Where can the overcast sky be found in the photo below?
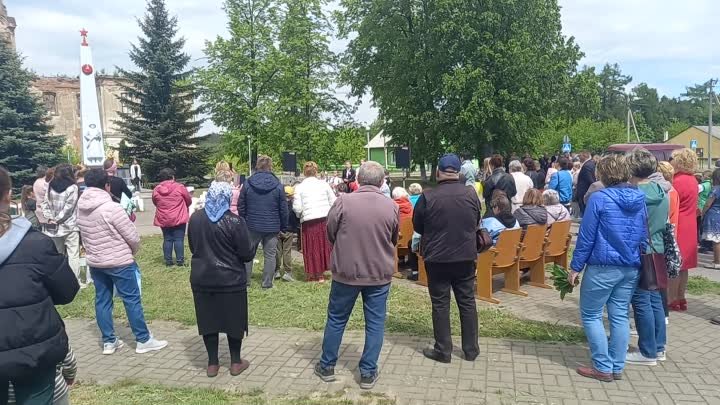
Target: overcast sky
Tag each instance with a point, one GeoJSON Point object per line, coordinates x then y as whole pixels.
{"type": "Point", "coordinates": [668, 44]}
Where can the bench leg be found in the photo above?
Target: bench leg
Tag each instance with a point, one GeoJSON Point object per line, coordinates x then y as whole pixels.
{"type": "Point", "coordinates": [422, 273]}
{"type": "Point", "coordinates": [512, 281]}
{"type": "Point", "coordinates": [537, 274]}
{"type": "Point", "coordinates": [484, 278]}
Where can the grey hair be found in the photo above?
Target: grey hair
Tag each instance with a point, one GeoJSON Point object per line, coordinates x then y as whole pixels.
{"type": "Point", "coordinates": [399, 192]}
{"type": "Point", "coordinates": [515, 166]}
{"type": "Point", "coordinates": [415, 189]}
{"type": "Point", "coordinates": [371, 174]}
{"type": "Point", "coordinates": [551, 197]}
{"type": "Point", "coordinates": [642, 163]}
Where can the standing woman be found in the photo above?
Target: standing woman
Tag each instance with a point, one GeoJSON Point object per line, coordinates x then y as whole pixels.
{"type": "Point", "coordinates": [711, 218]}
{"type": "Point", "coordinates": [60, 211]}
{"type": "Point", "coordinates": [135, 174]}
{"type": "Point", "coordinates": [220, 246]}
{"type": "Point", "coordinates": [313, 199]}
{"type": "Point", "coordinates": [611, 235]}
{"type": "Point", "coordinates": [44, 175]}
{"type": "Point", "coordinates": [171, 201]}
{"type": "Point", "coordinates": [34, 278]}
{"type": "Point", "coordinates": [685, 163]}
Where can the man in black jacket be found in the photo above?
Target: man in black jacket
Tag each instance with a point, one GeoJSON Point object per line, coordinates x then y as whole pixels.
{"type": "Point", "coordinates": [447, 217]}
{"type": "Point", "coordinates": [499, 180]}
{"type": "Point", "coordinates": [348, 175]}
{"type": "Point", "coordinates": [586, 177]}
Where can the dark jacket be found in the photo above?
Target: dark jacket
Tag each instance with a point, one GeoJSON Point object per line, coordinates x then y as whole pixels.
{"type": "Point", "coordinates": [585, 178]}
{"type": "Point", "coordinates": [219, 251]}
{"type": "Point", "coordinates": [34, 278]}
{"type": "Point", "coordinates": [118, 188]}
{"type": "Point", "coordinates": [613, 229]}
{"type": "Point", "coordinates": [363, 228]}
{"type": "Point", "coordinates": [263, 203]}
{"type": "Point", "coordinates": [538, 178]}
{"type": "Point", "coordinates": [499, 180]}
{"type": "Point", "coordinates": [447, 217]}
{"type": "Point", "coordinates": [293, 222]}
{"type": "Point", "coordinates": [348, 175]}
{"type": "Point", "coordinates": [531, 215]}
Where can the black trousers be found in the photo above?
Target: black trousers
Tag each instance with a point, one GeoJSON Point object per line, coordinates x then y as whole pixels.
{"type": "Point", "coordinates": [460, 278]}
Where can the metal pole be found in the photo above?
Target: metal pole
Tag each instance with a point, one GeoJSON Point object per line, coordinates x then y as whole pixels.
{"type": "Point", "coordinates": [367, 135]}
{"type": "Point", "coordinates": [249, 156]}
{"type": "Point", "coordinates": [710, 122]}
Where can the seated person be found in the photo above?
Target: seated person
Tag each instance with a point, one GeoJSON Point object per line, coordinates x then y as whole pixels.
{"type": "Point", "coordinates": [501, 217]}
{"type": "Point", "coordinates": [415, 192]}
{"type": "Point", "coordinates": [531, 212]}
{"type": "Point", "coordinates": [402, 199]}
{"type": "Point", "coordinates": [556, 211]}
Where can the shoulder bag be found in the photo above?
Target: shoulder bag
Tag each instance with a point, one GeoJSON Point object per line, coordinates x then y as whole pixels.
{"type": "Point", "coordinates": [653, 267]}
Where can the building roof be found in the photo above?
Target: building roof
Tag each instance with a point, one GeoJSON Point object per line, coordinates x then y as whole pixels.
{"type": "Point", "coordinates": [704, 128]}
{"type": "Point", "coordinates": [379, 141]}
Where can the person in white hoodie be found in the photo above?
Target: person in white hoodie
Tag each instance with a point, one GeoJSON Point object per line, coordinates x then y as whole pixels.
{"type": "Point", "coordinates": [313, 199]}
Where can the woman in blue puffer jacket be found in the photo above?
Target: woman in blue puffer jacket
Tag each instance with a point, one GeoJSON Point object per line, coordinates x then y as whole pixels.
{"type": "Point", "coordinates": [612, 233]}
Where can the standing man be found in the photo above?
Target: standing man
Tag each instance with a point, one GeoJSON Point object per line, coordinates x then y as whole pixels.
{"type": "Point", "coordinates": [498, 180]}
{"type": "Point", "coordinates": [355, 272]}
{"type": "Point", "coordinates": [586, 177]}
{"type": "Point", "coordinates": [468, 170]}
{"type": "Point", "coordinates": [348, 174]}
{"type": "Point", "coordinates": [264, 206]}
{"type": "Point", "coordinates": [447, 217]}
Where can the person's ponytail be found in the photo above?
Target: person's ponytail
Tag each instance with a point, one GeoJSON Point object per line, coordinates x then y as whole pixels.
{"type": "Point", "coordinates": [5, 189]}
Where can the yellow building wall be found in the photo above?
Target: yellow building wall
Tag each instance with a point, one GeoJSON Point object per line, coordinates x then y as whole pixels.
{"type": "Point", "coordinates": [701, 137]}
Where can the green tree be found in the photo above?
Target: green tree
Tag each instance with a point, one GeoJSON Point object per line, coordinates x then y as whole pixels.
{"type": "Point", "coordinates": [25, 139]}
{"type": "Point", "coordinates": [585, 134]}
{"type": "Point", "coordinates": [160, 125]}
{"type": "Point", "coordinates": [239, 84]}
{"type": "Point", "coordinates": [613, 99]}
{"type": "Point", "coordinates": [305, 86]}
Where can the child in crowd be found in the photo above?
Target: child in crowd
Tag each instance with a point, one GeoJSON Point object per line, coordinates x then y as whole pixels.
{"type": "Point", "coordinates": [29, 206]}
{"type": "Point", "coordinates": [285, 241]}
{"type": "Point", "coordinates": [64, 379]}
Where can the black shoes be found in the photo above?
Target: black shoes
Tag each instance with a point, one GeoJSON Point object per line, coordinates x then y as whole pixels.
{"type": "Point", "coordinates": [367, 382]}
{"type": "Point", "coordinates": [433, 354]}
{"type": "Point", "coordinates": [325, 374]}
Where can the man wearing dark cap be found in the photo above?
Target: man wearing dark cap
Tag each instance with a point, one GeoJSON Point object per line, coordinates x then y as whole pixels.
{"type": "Point", "coordinates": [447, 218]}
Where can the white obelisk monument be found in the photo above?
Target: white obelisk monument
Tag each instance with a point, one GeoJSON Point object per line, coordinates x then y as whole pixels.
{"type": "Point", "coordinates": [93, 147]}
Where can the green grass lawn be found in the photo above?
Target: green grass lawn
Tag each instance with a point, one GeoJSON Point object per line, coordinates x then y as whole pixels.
{"type": "Point", "coordinates": [132, 393]}
{"type": "Point", "coordinates": [167, 296]}
{"type": "Point", "coordinates": [698, 285]}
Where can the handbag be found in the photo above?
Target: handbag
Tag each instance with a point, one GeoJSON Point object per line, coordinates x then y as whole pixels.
{"type": "Point", "coordinates": [673, 260]}
{"type": "Point", "coordinates": [483, 240]}
{"type": "Point", "coordinates": [653, 268]}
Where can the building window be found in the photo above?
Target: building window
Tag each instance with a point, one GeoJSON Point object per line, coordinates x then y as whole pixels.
{"type": "Point", "coordinates": [50, 103]}
{"type": "Point", "coordinates": [123, 97]}
{"type": "Point", "coordinates": [79, 110]}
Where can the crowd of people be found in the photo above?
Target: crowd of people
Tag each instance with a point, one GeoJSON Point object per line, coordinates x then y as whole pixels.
{"type": "Point", "coordinates": [631, 205]}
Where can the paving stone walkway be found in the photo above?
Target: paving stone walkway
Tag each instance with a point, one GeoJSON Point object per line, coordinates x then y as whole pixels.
{"type": "Point", "coordinates": [507, 372]}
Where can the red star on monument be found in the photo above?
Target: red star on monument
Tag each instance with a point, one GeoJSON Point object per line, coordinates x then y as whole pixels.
{"type": "Point", "coordinates": [83, 34]}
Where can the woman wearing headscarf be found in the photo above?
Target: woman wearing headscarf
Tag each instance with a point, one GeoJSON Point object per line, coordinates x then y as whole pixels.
{"type": "Point", "coordinates": [220, 246]}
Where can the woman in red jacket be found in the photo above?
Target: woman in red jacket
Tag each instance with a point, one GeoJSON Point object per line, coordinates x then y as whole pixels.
{"type": "Point", "coordinates": [684, 161]}
{"type": "Point", "coordinates": [171, 201]}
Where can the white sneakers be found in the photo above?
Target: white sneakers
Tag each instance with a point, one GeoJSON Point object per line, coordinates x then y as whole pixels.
{"type": "Point", "coordinates": [639, 359]}
{"type": "Point", "coordinates": [110, 348]}
{"type": "Point", "coordinates": [150, 346]}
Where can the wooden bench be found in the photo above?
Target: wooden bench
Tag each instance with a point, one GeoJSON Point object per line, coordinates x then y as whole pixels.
{"type": "Point", "coordinates": [501, 259]}
{"type": "Point", "coordinates": [532, 254]}
{"type": "Point", "coordinates": [403, 245]}
{"type": "Point", "coordinates": [422, 272]}
{"type": "Point", "coordinates": [558, 244]}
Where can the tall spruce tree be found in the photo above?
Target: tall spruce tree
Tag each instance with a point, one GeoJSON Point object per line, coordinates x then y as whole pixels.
{"type": "Point", "coordinates": [161, 120]}
{"type": "Point", "coordinates": [25, 139]}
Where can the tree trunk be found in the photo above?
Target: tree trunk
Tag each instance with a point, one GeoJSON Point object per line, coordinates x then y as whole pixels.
{"type": "Point", "coordinates": [423, 171]}
{"type": "Point", "coordinates": [433, 174]}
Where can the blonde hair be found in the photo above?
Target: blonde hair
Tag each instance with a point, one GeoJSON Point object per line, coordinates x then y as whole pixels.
{"type": "Point", "coordinates": [264, 162]}
{"type": "Point", "coordinates": [613, 169]}
{"type": "Point", "coordinates": [222, 166]}
{"type": "Point", "coordinates": [310, 169]}
{"type": "Point", "coordinates": [684, 161]}
{"type": "Point", "coordinates": [415, 189]}
{"type": "Point", "coordinates": [399, 192]}
{"type": "Point", "coordinates": [667, 170]}
{"type": "Point", "coordinates": [224, 176]}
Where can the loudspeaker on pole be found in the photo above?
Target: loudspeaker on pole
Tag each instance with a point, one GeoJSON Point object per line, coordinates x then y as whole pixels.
{"type": "Point", "coordinates": [402, 157]}
{"type": "Point", "coordinates": [289, 162]}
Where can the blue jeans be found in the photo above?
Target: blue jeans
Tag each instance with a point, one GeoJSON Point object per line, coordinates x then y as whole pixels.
{"type": "Point", "coordinates": [36, 389]}
{"type": "Point", "coordinates": [650, 322]}
{"type": "Point", "coordinates": [612, 286]}
{"type": "Point", "coordinates": [125, 281]}
{"type": "Point", "coordinates": [174, 238]}
{"type": "Point", "coordinates": [342, 301]}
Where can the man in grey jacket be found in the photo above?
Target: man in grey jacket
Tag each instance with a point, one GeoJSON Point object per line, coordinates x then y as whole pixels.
{"type": "Point", "coordinates": [360, 266]}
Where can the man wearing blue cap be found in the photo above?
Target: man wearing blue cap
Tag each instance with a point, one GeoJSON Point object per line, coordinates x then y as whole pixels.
{"type": "Point", "coordinates": [447, 218]}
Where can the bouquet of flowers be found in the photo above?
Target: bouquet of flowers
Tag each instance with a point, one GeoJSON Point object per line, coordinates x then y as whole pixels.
{"type": "Point", "coordinates": [560, 280]}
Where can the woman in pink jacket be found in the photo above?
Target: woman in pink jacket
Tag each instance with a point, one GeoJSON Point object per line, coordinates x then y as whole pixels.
{"type": "Point", "coordinates": [171, 201]}
{"type": "Point", "coordinates": [111, 241]}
